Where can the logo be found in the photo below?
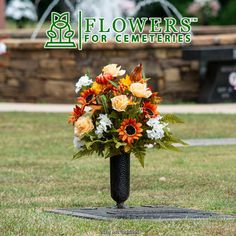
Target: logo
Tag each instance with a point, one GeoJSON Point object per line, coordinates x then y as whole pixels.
{"type": "Point", "coordinates": [60, 33]}
{"type": "Point", "coordinates": [121, 30]}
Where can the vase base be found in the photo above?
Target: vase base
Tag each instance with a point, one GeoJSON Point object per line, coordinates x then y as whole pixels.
{"type": "Point", "coordinates": [120, 206]}
{"type": "Point", "coordinates": [141, 212]}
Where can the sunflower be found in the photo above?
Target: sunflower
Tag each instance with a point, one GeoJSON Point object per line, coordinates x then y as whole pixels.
{"type": "Point", "coordinates": [150, 110]}
{"type": "Point", "coordinates": [130, 130]}
{"type": "Point", "coordinates": [77, 112]}
{"type": "Point", "coordinates": [87, 97]}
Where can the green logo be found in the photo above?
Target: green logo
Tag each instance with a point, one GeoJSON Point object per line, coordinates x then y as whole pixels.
{"type": "Point", "coordinates": [121, 30]}
{"type": "Point", "coordinates": [60, 33]}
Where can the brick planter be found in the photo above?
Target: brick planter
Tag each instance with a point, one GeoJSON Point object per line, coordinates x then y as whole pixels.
{"type": "Point", "coordinates": [34, 74]}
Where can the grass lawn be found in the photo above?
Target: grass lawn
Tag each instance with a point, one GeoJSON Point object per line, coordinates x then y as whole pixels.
{"type": "Point", "coordinates": [37, 173]}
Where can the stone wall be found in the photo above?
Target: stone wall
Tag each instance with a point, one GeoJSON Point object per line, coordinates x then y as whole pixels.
{"type": "Point", "coordinates": [34, 74]}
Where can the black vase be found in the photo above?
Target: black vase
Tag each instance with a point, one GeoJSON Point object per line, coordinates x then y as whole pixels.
{"type": "Point", "coordinates": [120, 178]}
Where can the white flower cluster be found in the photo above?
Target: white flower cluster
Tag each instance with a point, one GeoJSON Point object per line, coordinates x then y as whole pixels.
{"type": "Point", "coordinates": [78, 143]}
{"type": "Point", "coordinates": [83, 81]}
{"type": "Point", "coordinates": [104, 123]}
{"type": "Point", "coordinates": [3, 48]}
{"type": "Point", "coordinates": [157, 131]}
{"type": "Point", "coordinates": [18, 9]}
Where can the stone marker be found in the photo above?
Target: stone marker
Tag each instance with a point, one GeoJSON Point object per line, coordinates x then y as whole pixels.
{"type": "Point", "coordinates": [217, 72]}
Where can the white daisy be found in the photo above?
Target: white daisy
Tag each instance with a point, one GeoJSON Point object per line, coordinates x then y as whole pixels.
{"type": "Point", "coordinates": [83, 81]}
{"type": "Point", "coordinates": [104, 123]}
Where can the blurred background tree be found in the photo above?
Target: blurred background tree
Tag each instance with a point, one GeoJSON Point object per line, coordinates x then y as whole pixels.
{"type": "Point", "coordinates": [226, 14]}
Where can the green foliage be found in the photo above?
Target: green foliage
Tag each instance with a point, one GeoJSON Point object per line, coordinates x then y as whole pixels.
{"type": "Point", "coordinates": [113, 83]}
{"type": "Point", "coordinates": [226, 14]}
{"type": "Point", "coordinates": [171, 118]}
{"type": "Point", "coordinates": [139, 152]}
{"type": "Point", "coordinates": [104, 103]}
{"type": "Point", "coordinates": [82, 153]}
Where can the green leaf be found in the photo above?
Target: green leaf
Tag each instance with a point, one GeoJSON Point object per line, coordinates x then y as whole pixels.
{"type": "Point", "coordinates": [114, 115]}
{"type": "Point", "coordinates": [172, 148]}
{"type": "Point", "coordinates": [118, 144]}
{"type": "Point", "coordinates": [104, 102]}
{"type": "Point", "coordinates": [177, 140]}
{"type": "Point", "coordinates": [172, 119]}
{"type": "Point", "coordinates": [113, 83]}
{"type": "Point", "coordinates": [82, 152]}
{"type": "Point", "coordinates": [106, 152]}
{"type": "Point", "coordinates": [141, 160]}
{"type": "Point", "coordinates": [139, 153]}
{"type": "Point", "coordinates": [161, 144]}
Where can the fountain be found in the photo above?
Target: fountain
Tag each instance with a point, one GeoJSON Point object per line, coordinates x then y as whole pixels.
{"type": "Point", "coordinates": [107, 9]}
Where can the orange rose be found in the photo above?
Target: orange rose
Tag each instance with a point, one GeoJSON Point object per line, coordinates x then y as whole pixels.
{"type": "Point", "coordinates": [83, 125]}
{"type": "Point", "coordinates": [140, 90]}
{"type": "Point", "coordinates": [119, 103]}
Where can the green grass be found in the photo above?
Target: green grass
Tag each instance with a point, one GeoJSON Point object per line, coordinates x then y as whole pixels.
{"type": "Point", "coordinates": [37, 173]}
{"type": "Point", "coordinates": [207, 126]}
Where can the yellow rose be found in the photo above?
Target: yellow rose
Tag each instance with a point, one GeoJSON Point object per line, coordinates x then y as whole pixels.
{"type": "Point", "coordinates": [97, 87]}
{"type": "Point", "coordinates": [140, 90]}
{"type": "Point", "coordinates": [126, 81]}
{"type": "Point", "coordinates": [119, 103]}
{"type": "Point", "coordinates": [82, 126]}
{"type": "Point", "coordinates": [113, 69]}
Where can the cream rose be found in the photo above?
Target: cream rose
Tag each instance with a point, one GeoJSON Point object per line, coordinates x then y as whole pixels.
{"type": "Point", "coordinates": [113, 69]}
{"type": "Point", "coordinates": [140, 90]}
{"type": "Point", "coordinates": [119, 103]}
{"type": "Point", "coordinates": [82, 126]}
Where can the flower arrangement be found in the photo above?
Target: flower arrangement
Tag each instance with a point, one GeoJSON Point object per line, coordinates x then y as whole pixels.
{"type": "Point", "coordinates": [118, 113]}
{"type": "Point", "coordinates": [204, 9]}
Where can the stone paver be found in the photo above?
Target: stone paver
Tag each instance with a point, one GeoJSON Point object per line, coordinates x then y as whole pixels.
{"type": "Point", "coordinates": [186, 108]}
{"type": "Point", "coordinates": [142, 212]}
{"type": "Point", "coordinates": [211, 141]}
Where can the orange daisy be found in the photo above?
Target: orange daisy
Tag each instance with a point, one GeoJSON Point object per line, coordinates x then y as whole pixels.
{"type": "Point", "coordinates": [77, 112]}
{"type": "Point", "coordinates": [150, 110]}
{"type": "Point", "coordinates": [87, 97]}
{"type": "Point", "coordinates": [130, 130]}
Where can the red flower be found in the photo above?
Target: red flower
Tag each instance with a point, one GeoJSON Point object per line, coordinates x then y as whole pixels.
{"type": "Point", "coordinates": [104, 78]}
{"type": "Point", "coordinates": [77, 112]}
